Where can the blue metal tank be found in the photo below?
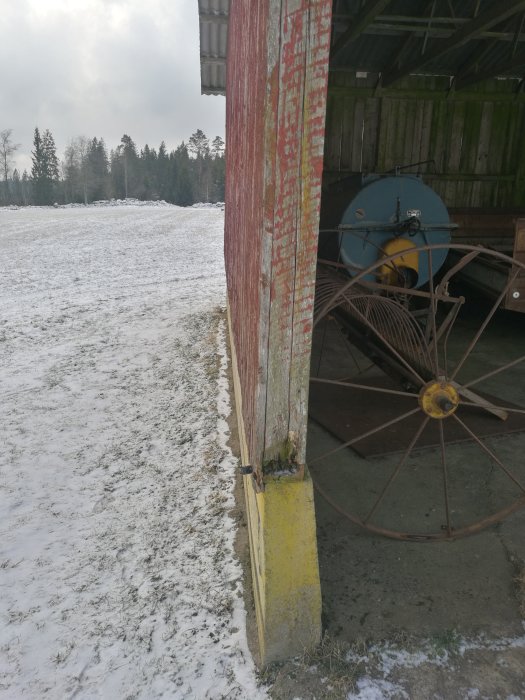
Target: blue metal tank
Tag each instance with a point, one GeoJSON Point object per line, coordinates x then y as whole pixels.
{"type": "Point", "coordinates": [388, 207]}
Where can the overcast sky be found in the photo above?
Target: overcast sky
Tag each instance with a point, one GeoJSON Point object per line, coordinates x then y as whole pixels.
{"type": "Point", "coordinates": [103, 68]}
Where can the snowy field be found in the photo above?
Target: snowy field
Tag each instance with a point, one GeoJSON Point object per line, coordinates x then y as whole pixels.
{"type": "Point", "coordinates": [118, 577]}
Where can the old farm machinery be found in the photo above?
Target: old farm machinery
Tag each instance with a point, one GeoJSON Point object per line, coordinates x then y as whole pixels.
{"type": "Point", "coordinates": [429, 415]}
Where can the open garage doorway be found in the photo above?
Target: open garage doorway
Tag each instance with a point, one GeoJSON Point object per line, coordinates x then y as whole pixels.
{"type": "Point", "coordinates": [417, 399]}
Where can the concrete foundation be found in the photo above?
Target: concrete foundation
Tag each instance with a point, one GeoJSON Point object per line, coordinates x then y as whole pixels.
{"type": "Point", "coordinates": [283, 553]}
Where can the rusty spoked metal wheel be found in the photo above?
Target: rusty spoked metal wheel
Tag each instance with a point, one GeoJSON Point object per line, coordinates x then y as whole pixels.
{"type": "Point", "coordinates": [438, 379]}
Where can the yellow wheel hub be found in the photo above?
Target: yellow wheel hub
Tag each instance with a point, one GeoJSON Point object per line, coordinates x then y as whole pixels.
{"type": "Point", "coordinates": [438, 399]}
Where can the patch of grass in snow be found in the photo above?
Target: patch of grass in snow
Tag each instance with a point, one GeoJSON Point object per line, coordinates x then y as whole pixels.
{"type": "Point", "coordinates": [327, 670]}
{"type": "Point", "coordinates": [216, 503]}
{"type": "Point", "coordinates": [331, 658]}
{"type": "Point", "coordinates": [8, 564]}
{"type": "Point", "coordinates": [63, 654]}
{"type": "Point", "coordinates": [447, 642]}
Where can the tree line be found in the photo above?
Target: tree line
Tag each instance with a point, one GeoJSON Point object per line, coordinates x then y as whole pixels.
{"type": "Point", "coordinates": [192, 172]}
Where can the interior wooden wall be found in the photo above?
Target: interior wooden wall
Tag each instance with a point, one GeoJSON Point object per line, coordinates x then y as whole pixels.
{"type": "Point", "coordinates": [476, 138]}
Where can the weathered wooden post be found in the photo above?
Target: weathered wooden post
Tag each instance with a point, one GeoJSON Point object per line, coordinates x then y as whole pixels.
{"type": "Point", "coordinates": [277, 72]}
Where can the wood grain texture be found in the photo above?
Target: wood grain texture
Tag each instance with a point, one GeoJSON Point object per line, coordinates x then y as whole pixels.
{"type": "Point", "coordinates": [246, 195]}
{"type": "Point", "coordinates": [276, 105]}
{"type": "Point", "coordinates": [303, 71]}
{"type": "Point", "coordinates": [476, 144]}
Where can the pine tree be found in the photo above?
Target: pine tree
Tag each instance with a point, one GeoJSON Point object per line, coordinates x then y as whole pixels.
{"type": "Point", "coordinates": [199, 148]}
{"type": "Point", "coordinates": [163, 173]}
{"type": "Point", "coordinates": [71, 170]}
{"type": "Point", "coordinates": [48, 143]}
{"type": "Point", "coordinates": [44, 172]}
{"type": "Point", "coordinates": [182, 192]}
{"type": "Point", "coordinates": [218, 170]}
{"type": "Point", "coordinates": [97, 165]}
{"type": "Point", "coordinates": [16, 188]}
{"type": "Point", "coordinates": [116, 174]}
{"type": "Point", "coordinates": [128, 153]}
{"type": "Point", "coordinates": [38, 171]}
{"type": "Point", "coordinates": [147, 188]}
{"type": "Point", "coordinates": [27, 190]}
{"type": "Point", "coordinates": [217, 147]}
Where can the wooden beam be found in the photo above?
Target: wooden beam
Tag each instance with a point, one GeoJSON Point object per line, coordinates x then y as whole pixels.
{"type": "Point", "coordinates": [379, 28]}
{"type": "Point", "coordinates": [437, 95]}
{"type": "Point", "coordinates": [496, 14]}
{"type": "Point", "coordinates": [444, 177]}
{"type": "Point", "coordinates": [477, 56]}
{"type": "Point", "coordinates": [495, 71]}
{"type": "Point", "coordinates": [481, 51]}
{"type": "Point", "coordinates": [410, 41]}
{"type": "Point", "coordinates": [367, 15]}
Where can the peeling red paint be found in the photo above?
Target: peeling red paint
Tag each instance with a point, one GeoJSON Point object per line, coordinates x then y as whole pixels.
{"type": "Point", "coordinates": [276, 100]}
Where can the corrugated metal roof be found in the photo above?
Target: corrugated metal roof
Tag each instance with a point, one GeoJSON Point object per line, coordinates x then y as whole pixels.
{"type": "Point", "coordinates": [401, 34]}
{"type": "Point", "coordinates": [213, 24]}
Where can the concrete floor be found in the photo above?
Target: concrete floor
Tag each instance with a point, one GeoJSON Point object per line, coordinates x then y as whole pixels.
{"type": "Point", "coordinates": [376, 588]}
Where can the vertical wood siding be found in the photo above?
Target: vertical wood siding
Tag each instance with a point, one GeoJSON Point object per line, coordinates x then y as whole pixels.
{"type": "Point", "coordinates": [247, 77]}
{"type": "Point", "coordinates": [477, 145]}
{"type": "Point", "coordinates": [276, 98]}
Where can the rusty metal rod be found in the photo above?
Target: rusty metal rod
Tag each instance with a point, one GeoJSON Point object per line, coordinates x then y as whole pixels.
{"type": "Point", "coordinates": [485, 323]}
{"type": "Point", "coordinates": [491, 454]}
{"type": "Point", "coordinates": [489, 407]}
{"type": "Point", "coordinates": [460, 247]}
{"type": "Point", "coordinates": [493, 373]}
{"type": "Point", "coordinates": [445, 474]}
{"type": "Point", "coordinates": [338, 382]}
{"type": "Point", "coordinates": [365, 435]}
{"type": "Point", "coordinates": [398, 468]}
{"type": "Point", "coordinates": [423, 537]}
{"type": "Point", "coordinates": [433, 311]}
{"type": "Point", "coordinates": [386, 343]}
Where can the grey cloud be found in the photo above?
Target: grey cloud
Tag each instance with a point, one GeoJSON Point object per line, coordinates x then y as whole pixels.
{"type": "Point", "coordinates": [103, 68]}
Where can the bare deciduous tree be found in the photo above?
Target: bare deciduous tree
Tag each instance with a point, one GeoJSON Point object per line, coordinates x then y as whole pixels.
{"type": "Point", "coordinates": [75, 169]}
{"type": "Point", "coordinates": [7, 148]}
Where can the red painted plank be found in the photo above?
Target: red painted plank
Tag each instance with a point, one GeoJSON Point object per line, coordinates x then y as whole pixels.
{"type": "Point", "coordinates": [276, 101]}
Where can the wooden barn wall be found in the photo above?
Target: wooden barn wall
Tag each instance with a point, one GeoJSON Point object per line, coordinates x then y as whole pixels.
{"type": "Point", "coordinates": [276, 99]}
{"type": "Point", "coordinates": [245, 194]}
{"type": "Point", "coordinates": [476, 139]}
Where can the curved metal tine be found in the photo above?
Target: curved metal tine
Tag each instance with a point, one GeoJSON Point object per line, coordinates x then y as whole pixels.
{"type": "Point", "coordinates": [365, 435]}
{"type": "Point", "coordinates": [445, 474]}
{"type": "Point", "coordinates": [491, 454]}
{"type": "Point", "coordinates": [493, 373]}
{"type": "Point", "coordinates": [473, 404]}
{"type": "Point", "coordinates": [433, 311]}
{"type": "Point", "coordinates": [359, 276]}
{"type": "Point", "coordinates": [485, 323]}
{"type": "Point", "coordinates": [440, 289]}
{"type": "Point", "coordinates": [351, 385]}
{"type": "Point", "coordinates": [398, 468]}
{"type": "Point", "coordinates": [348, 347]}
{"type": "Point", "coordinates": [451, 319]}
{"type": "Point", "coordinates": [409, 291]}
{"type": "Point", "coordinates": [321, 351]}
{"type": "Point", "coordinates": [385, 341]}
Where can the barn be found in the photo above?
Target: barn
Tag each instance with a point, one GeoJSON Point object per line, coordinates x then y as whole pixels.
{"type": "Point", "coordinates": [328, 102]}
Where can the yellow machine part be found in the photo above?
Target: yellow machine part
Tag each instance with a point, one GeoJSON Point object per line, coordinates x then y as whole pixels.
{"type": "Point", "coordinates": [390, 272]}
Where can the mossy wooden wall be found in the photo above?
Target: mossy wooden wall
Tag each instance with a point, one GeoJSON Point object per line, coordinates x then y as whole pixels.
{"type": "Point", "coordinates": [475, 138]}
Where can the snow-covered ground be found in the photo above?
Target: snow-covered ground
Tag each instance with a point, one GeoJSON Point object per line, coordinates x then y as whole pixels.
{"type": "Point", "coordinates": [118, 577]}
